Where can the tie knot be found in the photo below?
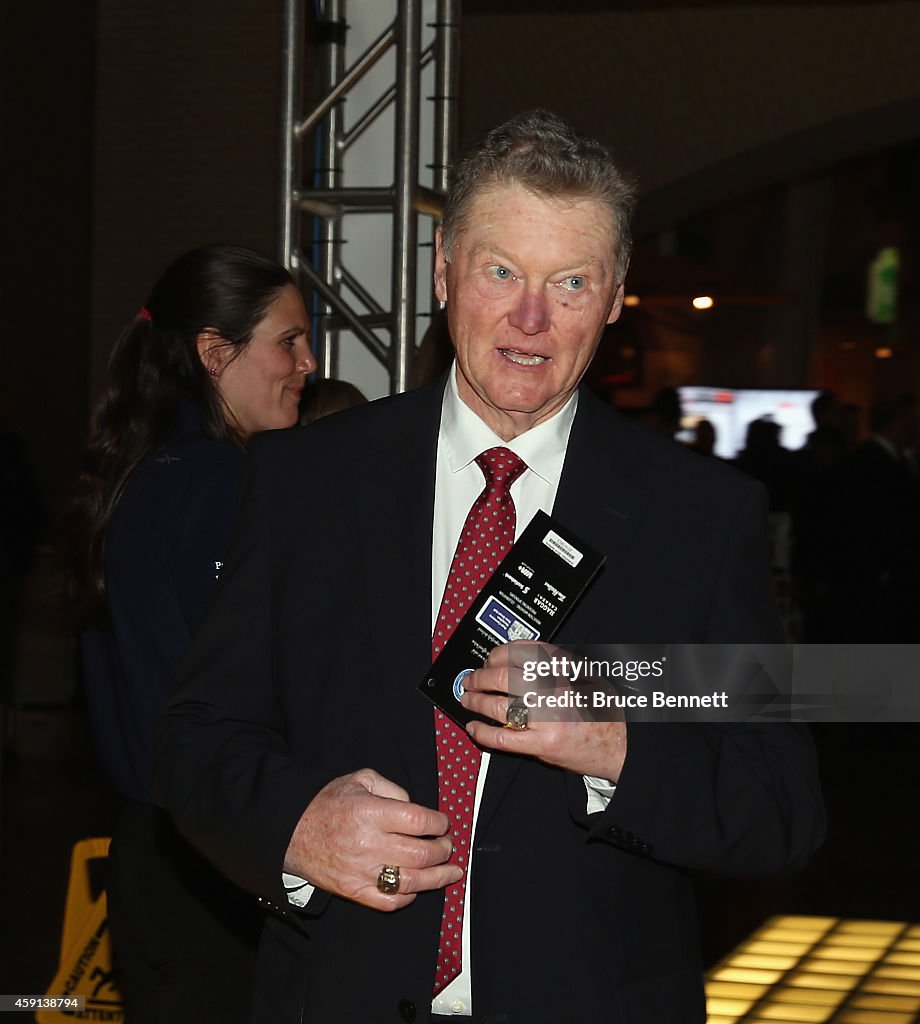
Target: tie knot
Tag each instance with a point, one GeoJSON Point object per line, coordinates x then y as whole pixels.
{"type": "Point", "coordinates": [501, 467]}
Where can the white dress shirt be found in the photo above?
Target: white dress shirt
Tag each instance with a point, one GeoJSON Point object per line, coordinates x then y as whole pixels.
{"type": "Point", "coordinates": [458, 483]}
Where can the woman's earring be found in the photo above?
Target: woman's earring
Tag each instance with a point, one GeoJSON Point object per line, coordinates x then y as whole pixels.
{"type": "Point", "coordinates": [213, 371]}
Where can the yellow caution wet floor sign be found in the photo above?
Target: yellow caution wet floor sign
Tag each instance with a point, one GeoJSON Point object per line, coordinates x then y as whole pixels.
{"type": "Point", "coordinates": [86, 947]}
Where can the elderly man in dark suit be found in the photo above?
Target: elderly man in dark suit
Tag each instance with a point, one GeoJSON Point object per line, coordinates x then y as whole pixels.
{"type": "Point", "coordinates": [415, 870]}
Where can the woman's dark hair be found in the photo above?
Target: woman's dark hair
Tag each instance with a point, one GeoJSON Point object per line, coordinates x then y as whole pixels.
{"type": "Point", "coordinates": [154, 368]}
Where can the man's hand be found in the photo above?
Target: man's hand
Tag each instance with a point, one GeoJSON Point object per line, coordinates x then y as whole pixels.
{"type": "Point", "coordinates": [586, 748]}
{"type": "Point", "coordinates": [357, 824]}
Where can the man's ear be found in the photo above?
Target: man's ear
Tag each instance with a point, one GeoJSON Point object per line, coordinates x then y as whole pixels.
{"type": "Point", "coordinates": [617, 307]}
{"type": "Point", "coordinates": [440, 266]}
{"type": "Point", "coordinates": [212, 350]}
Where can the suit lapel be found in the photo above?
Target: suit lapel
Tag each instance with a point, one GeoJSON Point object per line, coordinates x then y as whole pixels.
{"type": "Point", "coordinates": [399, 465]}
{"type": "Point", "coordinates": [599, 500]}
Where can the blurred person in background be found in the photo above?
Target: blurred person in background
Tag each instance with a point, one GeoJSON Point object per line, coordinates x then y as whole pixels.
{"type": "Point", "coordinates": [851, 425]}
{"type": "Point", "coordinates": [764, 458]}
{"type": "Point", "coordinates": [881, 517]}
{"type": "Point", "coordinates": [666, 412]}
{"type": "Point", "coordinates": [827, 413]}
{"type": "Point", "coordinates": [821, 546]}
{"type": "Point", "coordinates": [219, 351]}
{"type": "Point", "coordinates": [704, 439]}
{"type": "Point", "coordinates": [324, 396]}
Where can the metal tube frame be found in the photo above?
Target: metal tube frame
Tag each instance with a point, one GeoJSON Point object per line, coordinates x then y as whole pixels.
{"type": "Point", "coordinates": [328, 175]}
{"type": "Point", "coordinates": [327, 200]}
{"type": "Point", "coordinates": [405, 219]}
{"type": "Point", "coordinates": [291, 55]}
{"type": "Point", "coordinates": [447, 48]}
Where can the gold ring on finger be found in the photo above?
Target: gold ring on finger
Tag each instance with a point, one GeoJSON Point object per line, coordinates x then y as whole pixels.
{"type": "Point", "coordinates": [517, 714]}
{"type": "Point", "coordinates": [388, 879]}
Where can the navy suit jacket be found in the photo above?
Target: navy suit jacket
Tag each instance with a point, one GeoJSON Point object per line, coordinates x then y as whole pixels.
{"type": "Point", "coordinates": [168, 534]}
{"type": "Point", "coordinates": [307, 669]}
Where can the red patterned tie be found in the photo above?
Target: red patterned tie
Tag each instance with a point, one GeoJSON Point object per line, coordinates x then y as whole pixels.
{"type": "Point", "coordinates": [487, 535]}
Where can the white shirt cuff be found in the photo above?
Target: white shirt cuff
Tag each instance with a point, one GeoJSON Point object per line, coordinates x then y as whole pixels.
{"type": "Point", "coordinates": [600, 792]}
{"type": "Point", "coordinates": [298, 889]}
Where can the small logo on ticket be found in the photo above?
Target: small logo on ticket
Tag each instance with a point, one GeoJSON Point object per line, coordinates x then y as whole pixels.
{"type": "Point", "coordinates": [562, 548]}
{"type": "Point", "coordinates": [458, 682]}
{"type": "Point", "coordinates": [501, 622]}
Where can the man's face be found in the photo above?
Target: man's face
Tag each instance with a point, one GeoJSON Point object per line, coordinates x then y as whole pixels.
{"type": "Point", "coordinates": [530, 284]}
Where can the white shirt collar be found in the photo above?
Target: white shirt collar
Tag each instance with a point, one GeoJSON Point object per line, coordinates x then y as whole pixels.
{"type": "Point", "coordinates": [464, 436]}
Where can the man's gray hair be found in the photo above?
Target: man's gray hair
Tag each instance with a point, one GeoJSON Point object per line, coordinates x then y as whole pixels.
{"type": "Point", "coordinates": [546, 155]}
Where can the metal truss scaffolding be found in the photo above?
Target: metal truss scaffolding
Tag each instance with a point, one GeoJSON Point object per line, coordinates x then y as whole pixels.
{"type": "Point", "coordinates": [316, 145]}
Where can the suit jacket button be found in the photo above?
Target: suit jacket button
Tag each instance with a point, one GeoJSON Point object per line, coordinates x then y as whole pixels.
{"type": "Point", "coordinates": [406, 1010]}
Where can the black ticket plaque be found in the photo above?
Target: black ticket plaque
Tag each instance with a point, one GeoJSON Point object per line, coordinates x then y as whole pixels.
{"type": "Point", "coordinates": [528, 597]}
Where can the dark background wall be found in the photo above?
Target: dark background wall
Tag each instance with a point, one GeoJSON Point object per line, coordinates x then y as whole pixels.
{"type": "Point", "coordinates": [702, 101]}
{"type": "Point", "coordinates": [47, 60]}
{"type": "Point", "coordinates": [185, 142]}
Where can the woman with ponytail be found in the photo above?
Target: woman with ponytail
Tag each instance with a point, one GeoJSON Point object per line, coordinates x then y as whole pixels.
{"type": "Point", "coordinates": [219, 351]}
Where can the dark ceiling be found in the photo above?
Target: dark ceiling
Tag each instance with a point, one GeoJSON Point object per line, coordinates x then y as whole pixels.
{"type": "Point", "coordinates": [551, 6]}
